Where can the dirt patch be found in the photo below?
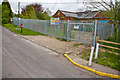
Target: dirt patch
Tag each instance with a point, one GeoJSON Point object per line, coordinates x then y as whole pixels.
{"type": "Point", "coordinates": [57, 45]}
{"type": "Point", "coordinates": [73, 49]}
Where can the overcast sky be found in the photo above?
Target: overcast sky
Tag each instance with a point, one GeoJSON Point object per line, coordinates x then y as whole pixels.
{"type": "Point", "coordinates": [57, 4]}
{"type": "Point", "coordinates": [53, 7]}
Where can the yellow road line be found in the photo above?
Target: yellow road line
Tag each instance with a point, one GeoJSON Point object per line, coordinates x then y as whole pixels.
{"type": "Point", "coordinates": [92, 70]}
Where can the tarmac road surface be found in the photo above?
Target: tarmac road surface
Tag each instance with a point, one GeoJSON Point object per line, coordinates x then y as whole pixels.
{"type": "Point", "coordinates": [24, 59]}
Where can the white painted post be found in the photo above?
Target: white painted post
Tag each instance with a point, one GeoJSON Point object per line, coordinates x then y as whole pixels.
{"type": "Point", "coordinates": [91, 55]}
{"type": "Point", "coordinates": [96, 52]}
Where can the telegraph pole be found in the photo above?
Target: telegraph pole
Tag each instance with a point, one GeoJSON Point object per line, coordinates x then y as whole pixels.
{"type": "Point", "coordinates": [18, 14]}
{"type": "Point", "coordinates": [18, 9]}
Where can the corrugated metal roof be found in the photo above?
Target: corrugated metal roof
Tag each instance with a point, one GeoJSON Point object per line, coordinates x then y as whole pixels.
{"type": "Point", "coordinates": [87, 15]}
{"type": "Point", "coordinates": [70, 14]}
{"type": "Point", "coordinates": [80, 15]}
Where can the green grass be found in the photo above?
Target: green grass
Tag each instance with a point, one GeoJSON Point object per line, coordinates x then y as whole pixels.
{"type": "Point", "coordinates": [112, 39]}
{"type": "Point", "coordinates": [104, 58]}
{"type": "Point", "coordinates": [112, 45]}
{"type": "Point", "coordinates": [15, 29]}
{"type": "Point", "coordinates": [77, 44]}
{"type": "Point", "coordinates": [69, 53]}
{"type": "Point", "coordinates": [61, 39]}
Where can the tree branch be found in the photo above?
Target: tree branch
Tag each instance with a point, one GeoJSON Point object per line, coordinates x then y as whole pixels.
{"type": "Point", "coordinates": [97, 7]}
{"type": "Point", "coordinates": [111, 4]}
{"type": "Point", "coordinates": [103, 6]}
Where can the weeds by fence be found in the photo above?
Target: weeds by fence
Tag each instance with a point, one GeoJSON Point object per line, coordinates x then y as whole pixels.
{"type": "Point", "coordinates": [109, 47]}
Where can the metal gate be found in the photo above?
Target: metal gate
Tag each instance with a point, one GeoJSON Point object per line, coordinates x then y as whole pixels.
{"type": "Point", "coordinates": [70, 30]}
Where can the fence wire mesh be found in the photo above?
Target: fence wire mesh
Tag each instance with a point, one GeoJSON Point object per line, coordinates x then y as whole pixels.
{"type": "Point", "coordinates": [70, 30]}
{"type": "Point", "coordinates": [83, 33]}
{"type": "Point", "coordinates": [104, 29]}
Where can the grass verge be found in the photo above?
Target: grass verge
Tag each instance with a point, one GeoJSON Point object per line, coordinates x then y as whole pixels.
{"type": "Point", "coordinates": [104, 58]}
{"type": "Point", "coordinates": [15, 28]}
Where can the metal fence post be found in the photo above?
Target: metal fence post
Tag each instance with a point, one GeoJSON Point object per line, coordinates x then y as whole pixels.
{"type": "Point", "coordinates": [49, 25]}
{"type": "Point", "coordinates": [55, 31]}
{"type": "Point", "coordinates": [118, 36]}
{"type": "Point", "coordinates": [45, 32]}
{"type": "Point", "coordinates": [68, 30]}
{"type": "Point", "coordinates": [112, 30]}
{"type": "Point", "coordinates": [95, 32]}
{"type": "Point", "coordinates": [92, 36]}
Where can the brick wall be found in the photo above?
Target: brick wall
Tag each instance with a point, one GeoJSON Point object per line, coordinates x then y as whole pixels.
{"type": "Point", "coordinates": [61, 16]}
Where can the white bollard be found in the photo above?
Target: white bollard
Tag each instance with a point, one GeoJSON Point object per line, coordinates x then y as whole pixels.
{"type": "Point", "coordinates": [91, 55]}
{"type": "Point", "coordinates": [96, 52]}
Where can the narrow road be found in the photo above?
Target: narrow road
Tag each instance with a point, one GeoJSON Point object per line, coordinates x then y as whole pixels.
{"type": "Point", "coordinates": [24, 59]}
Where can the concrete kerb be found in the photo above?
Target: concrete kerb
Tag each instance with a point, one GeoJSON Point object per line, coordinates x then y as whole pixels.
{"type": "Point", "coordinates": [92, 70]}
{"type": "Point", "coordinates": [89, 69]}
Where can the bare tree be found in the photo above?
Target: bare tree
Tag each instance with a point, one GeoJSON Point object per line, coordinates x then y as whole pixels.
{"type": "Point", "coordinates": [110, 8]}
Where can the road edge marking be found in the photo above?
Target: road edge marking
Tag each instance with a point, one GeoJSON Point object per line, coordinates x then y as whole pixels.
{"type": "Point", "coordinates": [92, 70]}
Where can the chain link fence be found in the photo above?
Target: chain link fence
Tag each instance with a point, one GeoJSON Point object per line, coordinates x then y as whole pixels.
{"type": "Point", "coordinates": [69, 30]}
{"type": "Point", "coordinates": [82, 31]}
{"type": "Point", "coordinates": [104, 29]}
